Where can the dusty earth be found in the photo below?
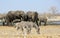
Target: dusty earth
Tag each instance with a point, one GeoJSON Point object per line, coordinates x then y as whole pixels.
{"type": "Point", "coordinates": [49, 31]}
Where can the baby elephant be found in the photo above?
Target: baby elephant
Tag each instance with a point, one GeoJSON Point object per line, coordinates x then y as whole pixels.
{"type": "Point", "coordinates": [27, 25]}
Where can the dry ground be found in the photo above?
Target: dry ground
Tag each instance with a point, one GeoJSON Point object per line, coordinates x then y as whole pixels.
{"type": "Point", "coordinates": [49, 31]}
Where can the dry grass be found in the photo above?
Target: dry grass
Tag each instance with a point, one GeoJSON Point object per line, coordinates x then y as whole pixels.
{"type": "Point", "coordinates": [49, 31]}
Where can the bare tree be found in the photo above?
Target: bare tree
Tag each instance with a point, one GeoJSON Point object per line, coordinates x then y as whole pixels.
{"type": "Point", "coordinates": [53, 10]}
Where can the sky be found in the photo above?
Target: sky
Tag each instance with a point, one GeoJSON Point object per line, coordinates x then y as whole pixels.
{"type": "Point", "coordinates": [28, 5]}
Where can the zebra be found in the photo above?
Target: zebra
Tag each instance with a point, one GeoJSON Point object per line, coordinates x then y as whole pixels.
{"type": "Point", "coordinates": [27, 25]}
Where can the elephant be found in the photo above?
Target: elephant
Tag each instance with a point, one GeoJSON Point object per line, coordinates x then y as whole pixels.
{"type": "Point", "coordinates": [2, 19]}
{"type": "Point", "coordinates": [42, 19]}
{"type": "Point", "coordinates": [12, 15]}
{"type": "Point", "coordinates": [25, 17]}
{"type": "Point", "coordinates": [32, 16]}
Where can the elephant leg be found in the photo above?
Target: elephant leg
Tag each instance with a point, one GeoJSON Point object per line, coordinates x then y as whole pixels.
{"type": "Point", "coordinates": [37, 23]}
{"type": "Point", "coordinates": [8, 23]}
{"type": "Point", "coordinates": [21, 19]}
{"type": "Point", "coordinates": [11, 24]}
{"type": "Point", "coordinates": [44, 23]}
{"type": "Point", "coordinates": [40, 23]}
{"type": "Point", "coordinates": [3, 23]}
{"type": "Point", "coordinates": [37, 29]}
{"type": "Point", "coordinates": [29, 20]}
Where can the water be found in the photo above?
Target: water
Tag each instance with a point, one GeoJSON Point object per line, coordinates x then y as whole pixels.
{"type": "Point", "coordinates": [1, 23]}
{"type": "Point", "coordinates": [50, 22]}
{"type": "Point", "coordinates": [54, 22]}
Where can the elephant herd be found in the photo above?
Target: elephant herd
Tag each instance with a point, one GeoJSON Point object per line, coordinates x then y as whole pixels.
{"type": "Point", "coordinates": [22, 16]}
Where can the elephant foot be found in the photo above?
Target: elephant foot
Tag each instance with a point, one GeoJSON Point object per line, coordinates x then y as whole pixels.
{"type": "Point", "coordinates": [38, 32]}
{"type": "Point", "coordinates": [44, 24]}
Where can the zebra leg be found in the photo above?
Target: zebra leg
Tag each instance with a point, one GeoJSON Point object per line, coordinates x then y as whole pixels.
{"type": "Point", "coordinates": [28, 30]}
{"type": "Point", "coordinates": [22, 29]}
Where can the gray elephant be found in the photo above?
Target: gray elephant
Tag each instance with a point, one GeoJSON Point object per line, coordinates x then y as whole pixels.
{"type": "Point", "coordinates": [42, 19]}
{"type": "Point", "coordinates": [12, 15]}
{"type": "Point", "coordinates": [32, 16]}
